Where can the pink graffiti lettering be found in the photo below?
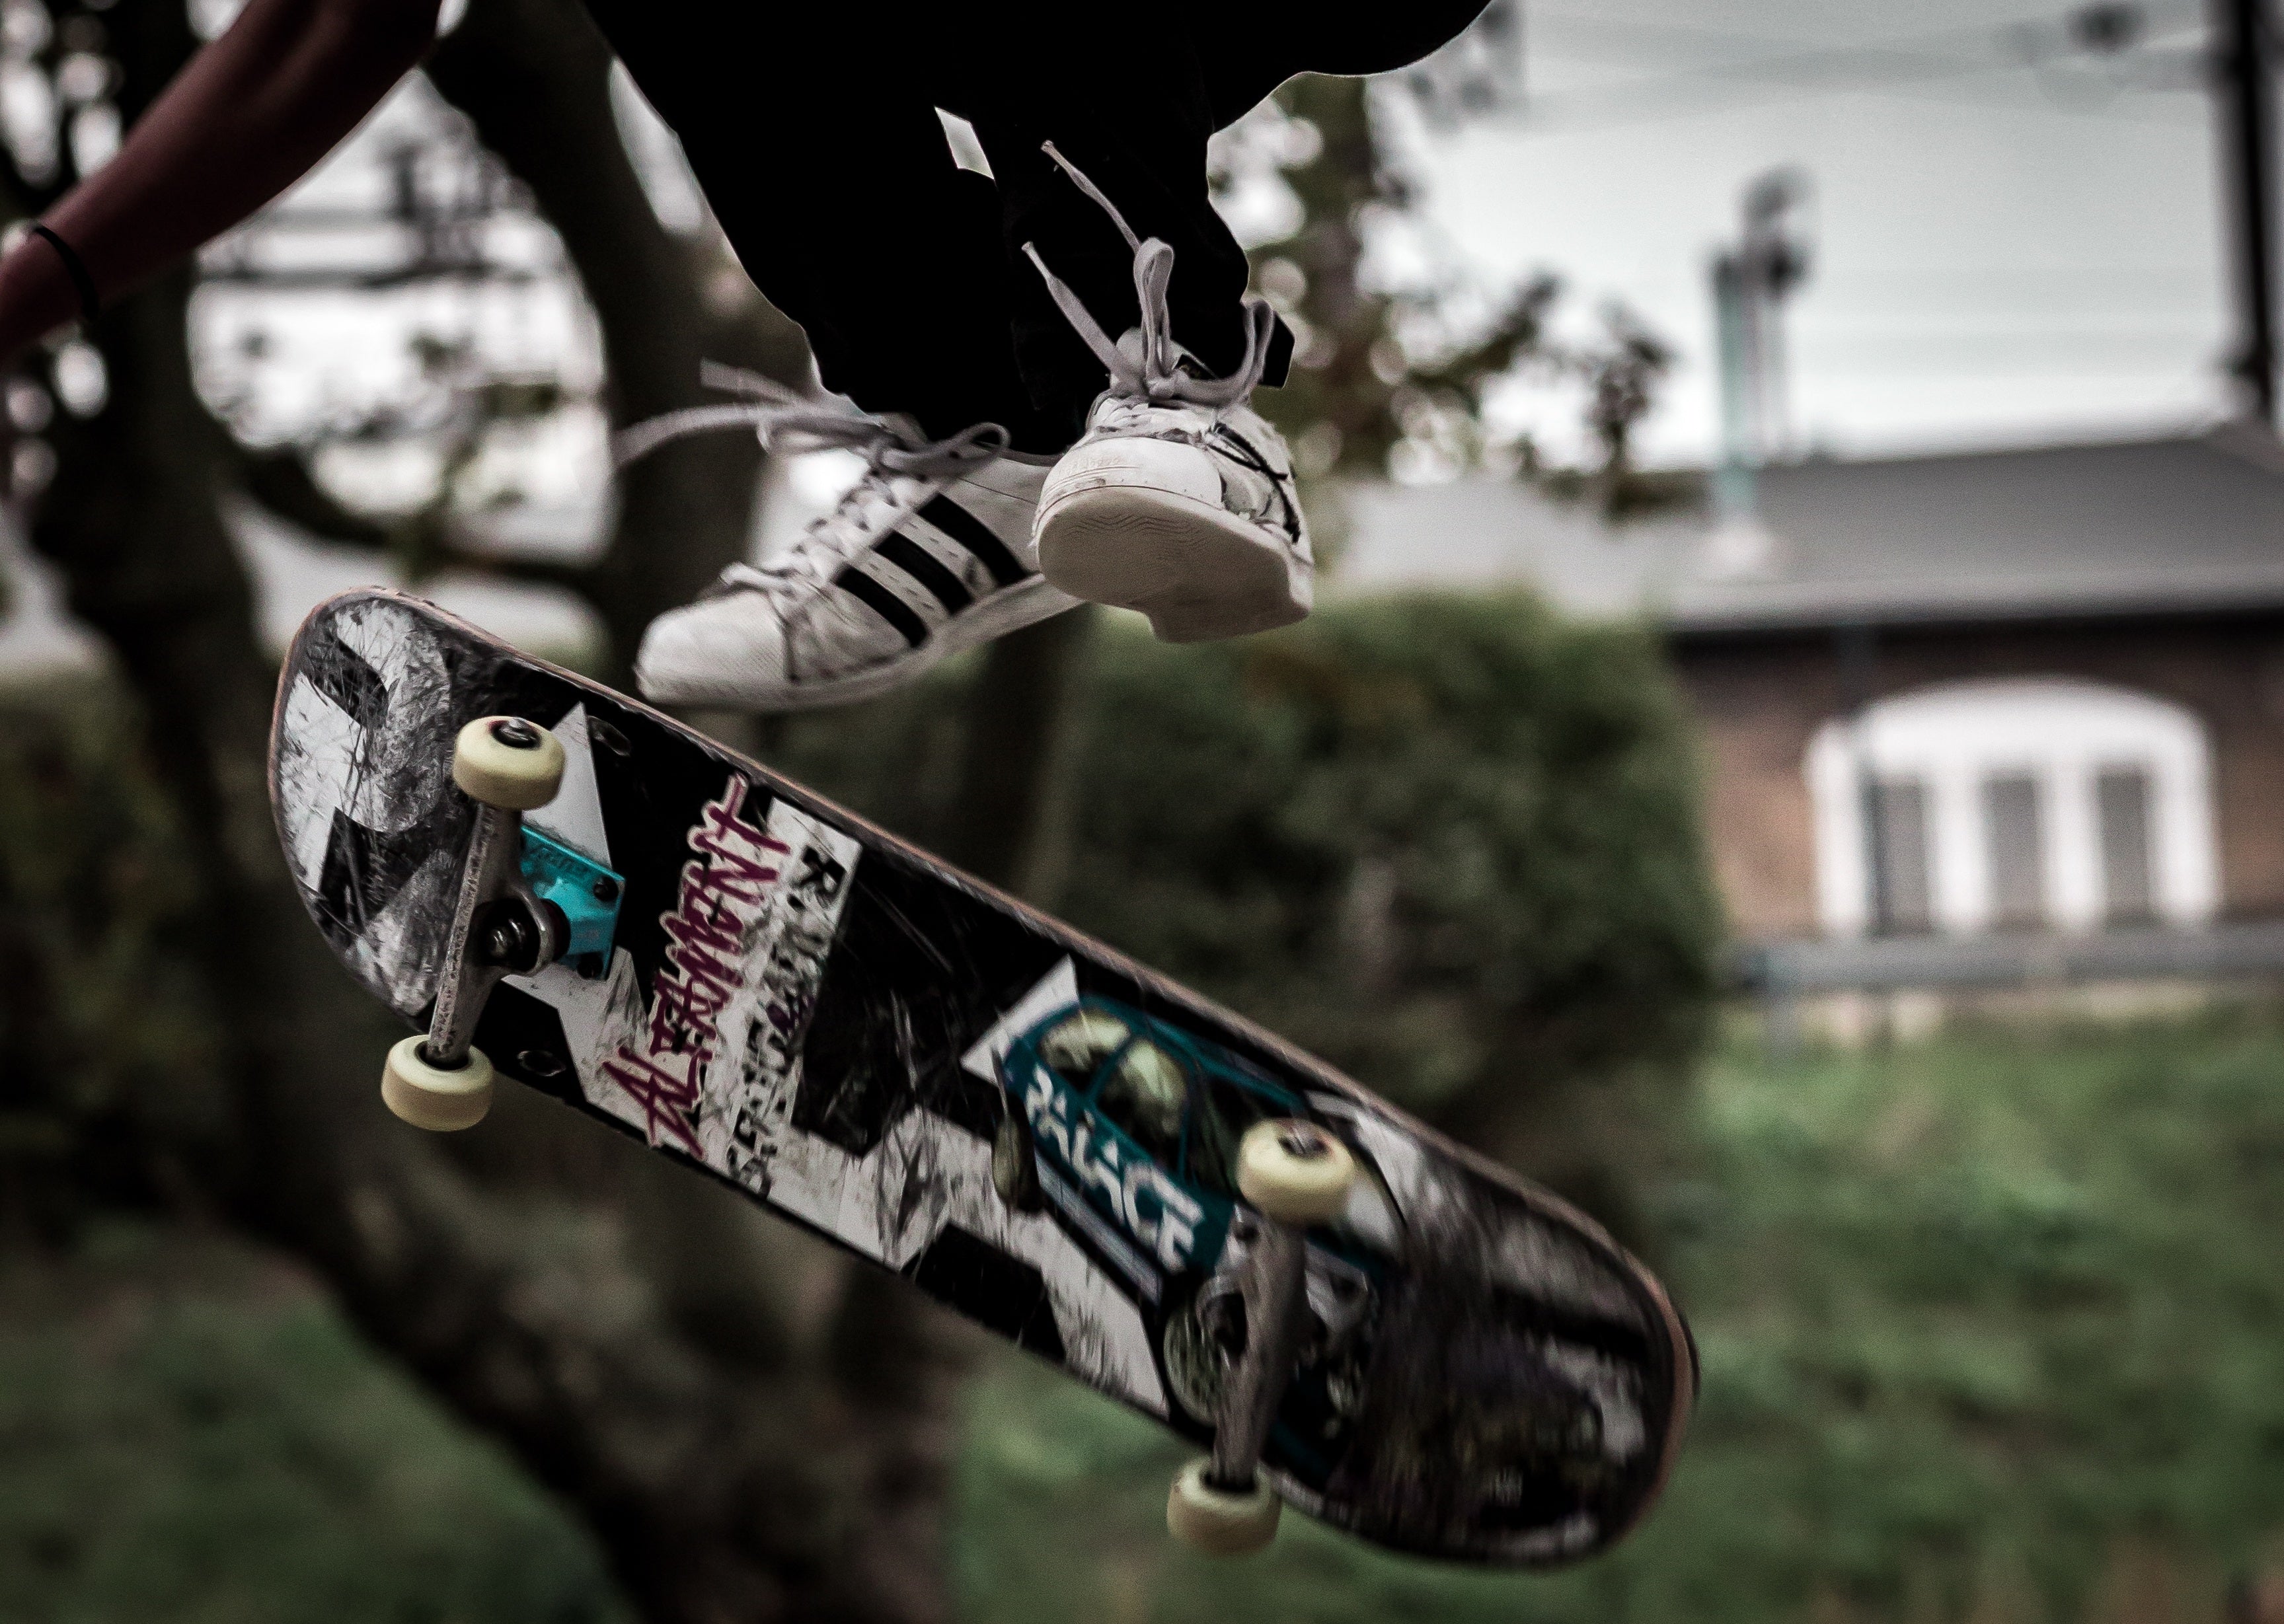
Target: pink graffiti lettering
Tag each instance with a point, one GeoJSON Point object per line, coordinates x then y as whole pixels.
{"type": "Point", "coordinates": [666, 1089]}
{"type": "Point", "coordinates": [721, 894]}
{"type": "Point", "coordinates": [736, 870]}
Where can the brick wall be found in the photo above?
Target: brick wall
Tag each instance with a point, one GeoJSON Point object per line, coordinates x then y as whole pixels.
{"type": "Point", "coordinates": [1760, 699]}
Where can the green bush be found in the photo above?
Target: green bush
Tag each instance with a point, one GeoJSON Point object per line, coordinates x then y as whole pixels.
{"type": "Point", "coordinates": [99, 1006]}
{"type": "Point", "coordinates": [1431, 834]}
{"type": "Point", "coordinates": [1448, 843]}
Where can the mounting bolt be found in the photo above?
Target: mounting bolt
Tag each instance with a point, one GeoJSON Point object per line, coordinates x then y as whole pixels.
{"type": "Point", "coordinates": [1303, 1140]}
{"type": "Point", "coordinates": [508, 935]}
{"type": "Point", "coordinates": [606, 889]}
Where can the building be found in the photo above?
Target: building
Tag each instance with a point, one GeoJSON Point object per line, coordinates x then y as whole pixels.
{"type": "Point", "coordinates": [1978, 719]}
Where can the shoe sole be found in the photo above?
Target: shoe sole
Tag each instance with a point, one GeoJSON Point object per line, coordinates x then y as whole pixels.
{"type": "Point", "coordinates": [1200, 575]}
{"type": "Point", "coordinates": [1011, 610]}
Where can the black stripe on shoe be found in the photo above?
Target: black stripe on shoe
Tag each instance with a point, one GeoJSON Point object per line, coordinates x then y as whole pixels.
{"type": "Point", "coordinates": [1251, 456]}
{"type": "Point", "coordinates": [883, 603]}
{"type": "Point", "coordinates": [925, 568]}
{"type": "Point", "coordinates": [973, 533]}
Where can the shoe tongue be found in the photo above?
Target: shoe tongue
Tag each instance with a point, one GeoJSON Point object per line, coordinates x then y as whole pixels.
{"type": "Point", "coordinates": [736, 578]}
{"type": "Point", "coordinates": [1134, 353]}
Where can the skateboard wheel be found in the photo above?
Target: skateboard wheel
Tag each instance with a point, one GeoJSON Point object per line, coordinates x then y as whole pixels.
{"type": "Point", "coordinates": [1218, 1521]}
{"type": "Point", "coordinates": [428, 1096]}
{"type": "Point", "coordinates": [1294, 1171]}
{"type": "Point", "coordinates": [507, 762]}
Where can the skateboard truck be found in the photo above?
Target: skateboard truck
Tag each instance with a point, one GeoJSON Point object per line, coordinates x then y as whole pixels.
{"type": "Point", "coordinates": [525, 901]}
{"type": "Point", "coordinates": [1296, 1174]}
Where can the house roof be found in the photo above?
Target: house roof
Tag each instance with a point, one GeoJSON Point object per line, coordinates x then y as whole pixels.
{"type": "Point", "coordinates": [2192, 523]}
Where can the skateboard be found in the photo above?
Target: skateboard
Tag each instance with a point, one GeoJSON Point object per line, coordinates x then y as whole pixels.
{"type": "Point", "coordinates": [558, 886]}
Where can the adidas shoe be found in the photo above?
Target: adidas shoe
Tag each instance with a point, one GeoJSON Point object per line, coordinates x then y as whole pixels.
{"type": "Point", "coordinates": [929, 553]}
{"type": "Point", "coordinates": [1179, 499]}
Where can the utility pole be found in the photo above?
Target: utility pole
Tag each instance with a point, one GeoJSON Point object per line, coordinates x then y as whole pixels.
{"type": "Point", "coordinates": [1772, 262]}
{"type": "Point", "coordinates": [1750, 283]}
{"type": "Point", "coordinates": [1733, 494]}
{"type": "Point", "coordinates": [2236, 63]}
{"type": "Point", "coordinates": [2245, 87]}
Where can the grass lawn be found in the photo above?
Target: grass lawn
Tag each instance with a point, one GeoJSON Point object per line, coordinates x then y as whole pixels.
{"type": "Point", "coordinates": [1993, 1332]}
{"type": "Point", "coordinates": [1992, 1328]}
{"type": "Point", "coordinates": [188, 1435]}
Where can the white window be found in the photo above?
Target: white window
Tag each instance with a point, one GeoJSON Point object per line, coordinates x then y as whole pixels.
{"type": "Point", "coordinates": [2122, 797]}
{"type": "Point", "coordinates": [2032, 803]}
{"type": "Point", "coordinates": [1902, 879]}
{"type": "Point", "coordinates": [2013, 827]}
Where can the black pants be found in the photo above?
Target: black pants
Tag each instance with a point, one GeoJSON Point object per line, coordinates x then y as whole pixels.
{"type": "Point", "coordinates": [813, 131]}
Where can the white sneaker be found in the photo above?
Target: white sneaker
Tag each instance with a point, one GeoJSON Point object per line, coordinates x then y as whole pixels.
{"type": "Point", "coordinates": [1184, 512]}
{"type": "Point", "coordinates": [929, 553]}
{"type": "Point", "coordinates": [1179, 500]}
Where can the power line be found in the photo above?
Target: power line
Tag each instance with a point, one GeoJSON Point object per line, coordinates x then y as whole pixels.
{"type": "Point", "coordinates": [2043, 33]}
{"type": "Point", "coordinates": [1899, 66]}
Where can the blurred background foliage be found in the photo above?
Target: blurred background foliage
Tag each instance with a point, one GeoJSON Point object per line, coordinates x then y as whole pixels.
{"type": "Point", "coordinates": [192, 1433]}
{"type": "Point", "coordinates": [1991, 1324]}
{"type": "Point", "coordinates": [1449, 843]}
{"type": "Point", "coordinates": [1393, 381]}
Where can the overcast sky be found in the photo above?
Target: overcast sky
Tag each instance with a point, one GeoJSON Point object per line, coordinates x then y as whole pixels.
{"type": "Point", "coordinates": [2004, 251]}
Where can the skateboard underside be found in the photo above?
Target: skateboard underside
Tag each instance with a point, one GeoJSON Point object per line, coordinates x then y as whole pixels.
{"type": "Point", "coordinates": [849, 1032]}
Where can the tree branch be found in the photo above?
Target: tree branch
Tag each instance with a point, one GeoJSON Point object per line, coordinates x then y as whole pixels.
{"type": "Point", "coordinates": [279, 479]}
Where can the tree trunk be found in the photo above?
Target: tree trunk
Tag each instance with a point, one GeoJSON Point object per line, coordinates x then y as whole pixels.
{"type": "Point", "coordinates": [1011, 806]}
{"type": "Point", "coordinates": [736, 1458]}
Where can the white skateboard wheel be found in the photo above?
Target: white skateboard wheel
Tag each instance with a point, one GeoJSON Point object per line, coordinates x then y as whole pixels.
{"type": "Point", "coordinates": [1294, 1171]}
{"type": "Point", "coordinates": [1215, 1521]}
{"type": "Point", "coordinates": [507, 762]}
{"type": "Point", "coordinates": [428, 1096]}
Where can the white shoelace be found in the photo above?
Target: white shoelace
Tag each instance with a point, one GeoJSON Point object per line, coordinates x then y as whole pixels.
{"type": "Point", "coordinates": [1146, 364]}
{"type": "Point", "coordinates": [790, 423]}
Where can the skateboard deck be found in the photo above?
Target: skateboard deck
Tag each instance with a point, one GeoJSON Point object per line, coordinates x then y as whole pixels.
{"type": "Point", "coordinates": [1031, 1129]}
